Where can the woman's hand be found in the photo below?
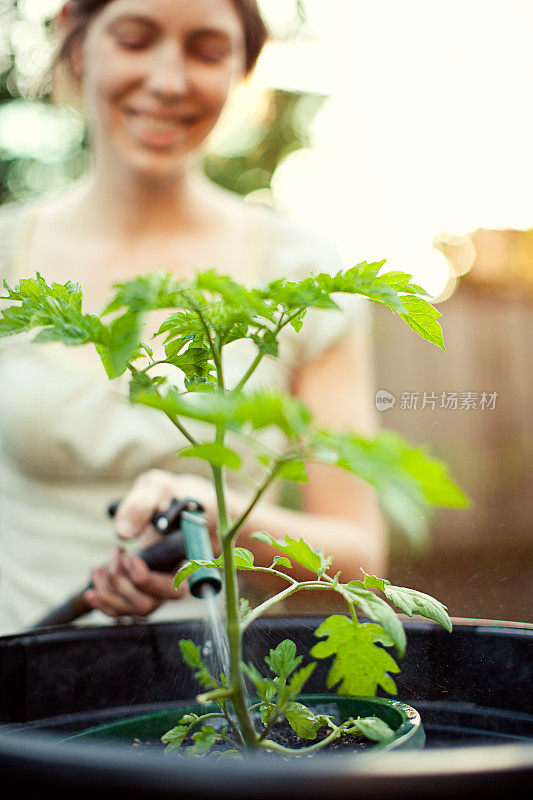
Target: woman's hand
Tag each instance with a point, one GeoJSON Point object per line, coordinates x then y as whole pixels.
{"type": "Point", "coordinates": [126, 586]}
{"type": "Point", "coordinates": [154, 491]}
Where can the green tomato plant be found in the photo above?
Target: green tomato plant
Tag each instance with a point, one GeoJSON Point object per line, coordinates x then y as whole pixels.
{"type": "Point", "coordinates": [208, 313]}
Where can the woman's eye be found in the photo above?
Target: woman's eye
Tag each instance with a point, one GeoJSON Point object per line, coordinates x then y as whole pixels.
{"type": "Point", "coordinates": [132, 39]}
{"type": "Point", "coordinates": [212, 56]}
{"type": "Point", "coordinates": [132, 43]}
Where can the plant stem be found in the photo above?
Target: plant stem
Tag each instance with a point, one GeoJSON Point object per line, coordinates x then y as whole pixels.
{"type": "Point", "coordinates": [232, 612]}
{"type": "Point", "coordinates": [235, 645]}
{"type": "Point", "coordinates": [249, 372]}
{"type": "Point", "coordinates": [301, 751]}
{"type": "Point", "coordinates": [259, 357]}
{"type": "Point", "coordinates": [237, 525]}
{"type": "Point", "coordinates": [182, 429]}
{"type": "Point", "coordinates": [308, 586]}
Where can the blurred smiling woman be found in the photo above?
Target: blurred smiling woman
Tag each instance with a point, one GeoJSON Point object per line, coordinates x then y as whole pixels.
{"type": "Point", "coordinates": [154, 77]}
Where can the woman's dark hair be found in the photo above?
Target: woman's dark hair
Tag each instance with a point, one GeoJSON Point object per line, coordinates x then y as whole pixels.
{"type": "Point", "coordinates": [82, 11]}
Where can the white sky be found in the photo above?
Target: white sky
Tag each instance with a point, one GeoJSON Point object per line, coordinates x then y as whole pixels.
{"type": "Point", "coordinates": [430, 127]}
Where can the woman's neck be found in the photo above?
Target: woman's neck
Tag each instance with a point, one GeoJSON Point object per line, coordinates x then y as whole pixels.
{"type": "Point", "coordinates": [128, 208]}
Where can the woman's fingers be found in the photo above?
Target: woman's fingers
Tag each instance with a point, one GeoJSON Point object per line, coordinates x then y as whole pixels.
{"type": "Point", "coordinates": [159, 585]}
{"type": "Point", "coordinates": [128, 587]}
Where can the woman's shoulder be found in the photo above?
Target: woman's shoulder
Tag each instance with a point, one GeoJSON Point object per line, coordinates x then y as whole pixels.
{"type": "Point", "coordinates": [292, 249]}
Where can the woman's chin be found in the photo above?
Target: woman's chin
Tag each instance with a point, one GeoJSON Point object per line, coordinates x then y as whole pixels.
{"type": "Point", "coordinates": [157, 169]}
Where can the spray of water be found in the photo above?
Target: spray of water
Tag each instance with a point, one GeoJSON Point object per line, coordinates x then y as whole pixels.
{"type": "Point", "coordinates": [215, 650]}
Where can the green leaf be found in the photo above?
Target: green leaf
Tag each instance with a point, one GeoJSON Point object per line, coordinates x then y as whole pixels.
{"type": "Point", "coordinates": [204, 739]}
{"type": "Point", "coordinates": [407, 479]}
{"type": "Point", "coordinates": [189, 568]}
{"type": "Point", "coordinates": [422, 318]}
{"type": "Point", "coordinates": [266, 687]}
{"type": "Point", "coordinates": [378, 610]}
{"type": "Point", "coordinates": [299, 679]}
{"type": "Point", "coordinates": [195, 361]}
{"type": "Point", "coordinates": [121, 344]}
{"type": "Point", "coordinates": [281, 561]}
{"type": "Point", "coordinates": [266, 343]}
{"type": "Point", "coordinates": [144, 293]}
{"type": "Point", "coordinates": [268, 711]}
{"type": "Point", "coordinates": [216, 453]}
{"type": "Point", "coordinates": [412, 602]}
{"type": "Point", "coordinates": [302, 720]}
{"type": "Point", "coordinates": [359, 665]}
{"type": "Point", "coordinates": [230, 755]}
{"type": "Point", "coordinates": [244, 608]}
{"type": "Point", "coordinates": [260, 409]}
{"type": "Point", "coordinates": [175, 738]}
{"type": "Point", "coordinates": [191, 656]}
{"type": "Point", "coordinates": [373, 728]}
{"type": "Point", "coordinates": [372, 581]}
{"type": "Point", "coordinates": [283, 659]}
{"type": "Point", "coordinates": [293, 471]}
{"type": "Point", "coordinates": [299, 551]}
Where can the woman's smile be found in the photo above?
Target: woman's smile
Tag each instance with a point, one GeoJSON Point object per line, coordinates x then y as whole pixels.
{"type": "Point", "coordinates": [158, 128]}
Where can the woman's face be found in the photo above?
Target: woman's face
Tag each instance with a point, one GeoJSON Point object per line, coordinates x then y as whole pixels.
{"type": "Point", "coordinates": [155, 77]}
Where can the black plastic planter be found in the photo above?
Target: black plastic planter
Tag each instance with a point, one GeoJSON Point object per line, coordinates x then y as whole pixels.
{"type": "Point", "coordinates": [473, 689]}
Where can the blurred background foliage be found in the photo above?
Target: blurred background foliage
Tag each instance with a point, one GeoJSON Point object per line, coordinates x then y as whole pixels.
{"type": "Point", "coordinates": [244, 154]}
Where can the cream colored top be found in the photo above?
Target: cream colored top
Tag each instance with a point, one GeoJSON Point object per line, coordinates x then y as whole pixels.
{"type": "Point", "coordinates": [70, 443]}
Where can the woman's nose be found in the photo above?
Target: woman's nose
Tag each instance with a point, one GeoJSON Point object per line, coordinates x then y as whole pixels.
{"type": "Point", "coordinates": [168, 76]}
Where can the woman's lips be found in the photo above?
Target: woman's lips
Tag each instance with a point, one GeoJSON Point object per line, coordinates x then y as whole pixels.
{"type": "Point", "coordinates": [162, 130]}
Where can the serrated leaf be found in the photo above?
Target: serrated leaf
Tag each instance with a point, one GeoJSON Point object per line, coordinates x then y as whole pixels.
{"type": "Point", "coordinates": [121, 344]}
{"type": "Point", "coordinates": [283, 659]}
{"type": "Point", "coordinates": [216, 453]}
{"type": "Point", "coordinates": [189, 568]}
{"type": "Point", "coordinates": [204, 739]}
{"type": "Point", "coordinates": [302, 720]}
{"type": "Point", "coordinates": [228, 755]}
{"type": "Point", "coordinates": [407, 479]}
{"type": "Point", "coordinates": [298, 550]}
{"type": "Point", "coordinates": [175, 738]}
{"type": "Point", "coordinates": [293, 471]}
{"type": "Point", "coordinates": [359, 664]}
{"type": "Point", "coordinates": [299, 679]}
{"type": "Point", "coordinates": [377, 610]}
{"type": "Point", "coordinates": [244, 608]}
{"type": "Point", "coordinates": [268, 711]}
{"type": "Point", "coordinates": [266, 343]}
{"type": "Point", "coordinates": [422, 317]}
{"type": "Point", "coordinates": [373, 728]}
{"type": "Point", "coordinates": [412, 602]}
{"type": "Point", "coordinates": [266, 688]}
{"type": "Point", "coordinates": [372, 581]}
{"type": "Point", "coordinates": [281, 561]}
{"type": "Point", "coordinates": [191, 655]}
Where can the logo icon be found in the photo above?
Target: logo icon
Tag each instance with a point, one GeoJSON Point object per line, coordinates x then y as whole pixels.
{"type": "Point", "coordinates": [384, 400]}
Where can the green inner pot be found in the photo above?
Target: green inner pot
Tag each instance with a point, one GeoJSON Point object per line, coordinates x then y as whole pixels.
{"type": "Point", "coordinates": [404, 720]}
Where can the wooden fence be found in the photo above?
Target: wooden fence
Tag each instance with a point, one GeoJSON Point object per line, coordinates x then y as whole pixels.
{"type": "Point", "coordinates": [478, 561]}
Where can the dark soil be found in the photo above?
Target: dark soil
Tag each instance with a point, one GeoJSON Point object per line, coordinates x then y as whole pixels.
{"type": "Point", "coordinates": [282, 734]}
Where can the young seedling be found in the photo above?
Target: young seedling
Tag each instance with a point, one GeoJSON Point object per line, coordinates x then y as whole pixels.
{"type": "Point", "coordinates": [209, 313]}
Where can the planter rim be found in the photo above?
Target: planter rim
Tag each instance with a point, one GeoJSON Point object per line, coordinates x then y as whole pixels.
{"type": "Point", "coordinates": [408, 622]}
{"type": "Point", "coordinates": [104, 766]}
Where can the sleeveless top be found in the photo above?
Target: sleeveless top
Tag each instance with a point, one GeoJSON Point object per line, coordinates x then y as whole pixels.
{"type": "Point", "coordinates": [70, 443]}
